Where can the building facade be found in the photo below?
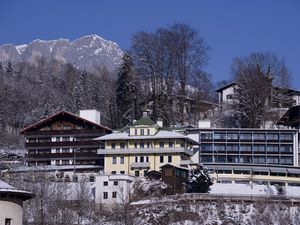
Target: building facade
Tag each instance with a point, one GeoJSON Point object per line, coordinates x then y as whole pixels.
{"type": "Point", "coordinates": [65, 142]}
{"type": "Point", "coordinates": [247, 146]}
{"type": "Point", "coordinates": [113, 189]}
{"type": "Point", "coordinates": [143, 147]}
{"type": "Point", "coordinates": [249, 155]}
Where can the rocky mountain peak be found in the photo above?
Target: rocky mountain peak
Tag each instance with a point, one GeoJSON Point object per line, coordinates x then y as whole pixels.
{"type": "Point", "coordinates": [89, 52]}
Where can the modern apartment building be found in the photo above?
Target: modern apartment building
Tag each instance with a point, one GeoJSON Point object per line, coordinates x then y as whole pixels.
{"type": "Point", "coordinates": [249, 155]}
{"type": "Point", "coordinates": [247, 146]}
{"type": "Point", "coordinates": [143, 147]}
{"type": "Point", "coordinates": [65, 142]}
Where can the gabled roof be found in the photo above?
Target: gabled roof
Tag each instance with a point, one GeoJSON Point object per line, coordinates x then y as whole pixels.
{"type": "Point", "coordinates": [291, 118]}
{"type": "Point", "coordinates": [226, 86]}
{"type": "Point", "coordinates": [62, 113]}
{"type": "Point", "coordinates": [145, 120]}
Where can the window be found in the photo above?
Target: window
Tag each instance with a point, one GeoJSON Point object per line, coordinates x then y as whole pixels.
{"type": "Point", "coordinates": [142, 145]}
{"type": "Point", "coordinates": [286, 160]}
{"type": "Point", "coordinates": [115, 183]}
{"type": "Point", "coordinates": [220, 147]}
{"type": "Point", "coordinates": [232, 148]}
{"type": "Point", "coordinates": [105, 195]}
{"type": "Point", "coordinates": [65, 162]}
{"type": "Point", "coordinates": [105, 183]}
{"type": "Point", "coordinates": [7, 221]}
{"type": "Point", "coordinates": [114, 194]}
{"type": "Point", "coordinates": [220, 136]}
{"type": "Point", "coordinates": [137, 173]}
{"type": "Point", "coordinates": [286, 137]}
{"type": "Point", "coordinates": [122, 160]}
{"type": "Point", "coordinates": [245, 136]}
{"type": "Point", "coordinates": [148, 131]}
{"type": "Point", "coordinates": [114, 160]}
{"type": "Point", "coordinates": [142, 131]}
{"type": "Point", "coordinates": [161, 159]}
{"type": "Point", "coordinates": [272, 148]}
{"type": "Point", "coordinates": [246, 148]}
{"type": "Point", "coordinates": [148, 144]}
{"type": "Point", "coordinates": [170, 144]}
{"type": "Point", "coordinates": [135, 145]}
{"type": "Point", "coordinates": [92, 178]}
{"type": "Point", "coordinates": [161, 144]}
{"type": "Point", "coordinates": [57, 139]}
{"type": "Point", "coordinates": [232, 136]}
{"type": "Point", "coordinates": [113, 145]}
{"type": "Point", "coordinates": [259, 160]}
{"type": "Point", "coordinates": [286, 148]}
{"type": "Point", "coordinates": [169, 158]}
{"type": "Point", "coordinates": [122, 172]}
{"type": "Point", "coordinates": [113, 172]}
{"type": "Point", "coordinates": [259, 136]}
{"type": "Point", "coordinates": [273, 137]}
{"type": "Point", "coordinates": [66, 139]}
{"type": "Point", "coordinates": [142, 159]}
{"type": "Point", "coordinates": [147, 158]}
{"type": "Point", "coordinates": [206, 136]}
{"type": "Point", "coordinates": [122, 145]}
{"type": "Point", "coordinates": [272, 160]}
{"type": "Point", "coordinates": [136, 159]}
{"type": "Point", "coordinates": [135, 131]}
{"type": "Point", "coordinates": [259, 148]}
{"type": "Point", "coordinates": [206, 147]}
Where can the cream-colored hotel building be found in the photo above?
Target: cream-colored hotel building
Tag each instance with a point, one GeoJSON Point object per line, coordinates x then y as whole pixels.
{"type": "Point", "coordinates": [144, 146]}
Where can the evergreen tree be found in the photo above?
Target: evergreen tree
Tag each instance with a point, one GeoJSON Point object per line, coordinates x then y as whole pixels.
{"type": "Point", "coordinates": [127, 91]}
{"type": "Point", "coordinates": [198, 180]}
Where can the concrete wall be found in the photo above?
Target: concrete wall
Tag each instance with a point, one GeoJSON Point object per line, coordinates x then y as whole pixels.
{"type": "Point", "coordinates": [11, 208]}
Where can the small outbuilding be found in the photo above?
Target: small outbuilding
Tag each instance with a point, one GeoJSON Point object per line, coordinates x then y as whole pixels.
{"type": "Point", "coordinates": [175, 177]}
{"type": "Point", "coordinates": [11, 204]}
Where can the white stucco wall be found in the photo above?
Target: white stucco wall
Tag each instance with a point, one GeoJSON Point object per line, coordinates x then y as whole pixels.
{"type": "Point", "coordinates": [13, 210]}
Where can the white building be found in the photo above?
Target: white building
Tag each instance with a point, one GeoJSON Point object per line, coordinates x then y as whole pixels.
{"type": "Point", "coordinates": [113, 189]}
{"type": "Point", "coordinates": [11, 204]}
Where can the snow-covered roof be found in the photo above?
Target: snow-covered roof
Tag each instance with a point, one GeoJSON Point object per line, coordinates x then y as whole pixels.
{"type": "Point", "coordinates": [162, 134]}
{"type": "Point", "coordinates": [8, 189]}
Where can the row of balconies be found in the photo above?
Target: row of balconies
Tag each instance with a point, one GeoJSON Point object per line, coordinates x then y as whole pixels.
{"type": "Point", "coordinates": [76, 144]}
{"type": "Point", "coordinates": [83, 132]}
{"type": "Point", "coordinates": [145, 151]}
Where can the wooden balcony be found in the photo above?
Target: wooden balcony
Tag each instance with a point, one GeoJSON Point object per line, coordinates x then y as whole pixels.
{"type": "Point", "coordinates": [83, 132]}
{"type": "Point", "coordinates": [62, 156]}
{"type": "Point", "coordinates": [62, 144]}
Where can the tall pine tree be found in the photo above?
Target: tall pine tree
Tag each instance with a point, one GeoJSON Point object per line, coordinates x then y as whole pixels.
{"type": "Point", "coordinates": [127, 92]}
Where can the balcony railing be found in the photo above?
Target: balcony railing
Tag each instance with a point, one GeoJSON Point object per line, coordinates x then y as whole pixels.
{"type": "Point", "coordinates": [38, 145]}
{"type": "Point", "coordinates": [82, 132]}
{"type": "Point", "coordinates": [140, 165]}
{"type": "Point", "coordinates": [145, 151]}
{"type": "Point", "coordinates": [61, 155]}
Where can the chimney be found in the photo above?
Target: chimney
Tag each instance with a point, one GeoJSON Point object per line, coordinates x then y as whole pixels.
{"type": "Point", "coordinates": [204, 124]}
{"type": "Point", "coordinates": [91, 115]}
{"type": "Point", "coordinates": [160, 122]}
{"type": "Point", "coordinates": [145, 113]}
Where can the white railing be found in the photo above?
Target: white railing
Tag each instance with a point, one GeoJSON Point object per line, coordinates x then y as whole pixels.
{"type": "Point", "coordinates": [145, 150]}
{"type": "Point", "coordinates": [140, 165]}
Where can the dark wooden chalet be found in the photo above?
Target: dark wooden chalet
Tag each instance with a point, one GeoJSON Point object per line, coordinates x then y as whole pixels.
{"type": "Point", "coordinates": [175, 177]}
{"type": "Point", "coordinates": [63, 139]}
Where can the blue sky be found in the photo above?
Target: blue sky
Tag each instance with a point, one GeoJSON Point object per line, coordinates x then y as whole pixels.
{"type": "Point", "coordinates": [230, 27]}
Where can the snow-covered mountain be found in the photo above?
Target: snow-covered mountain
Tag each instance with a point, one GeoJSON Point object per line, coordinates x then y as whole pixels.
{"type": "Point", "coordinates": [89, 52]}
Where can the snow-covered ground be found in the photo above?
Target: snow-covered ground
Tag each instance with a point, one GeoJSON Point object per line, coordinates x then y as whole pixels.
{"type": "Point", "coordinates": [255, 189]}
{"type": "Point", "coordinates": [243, 189]}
